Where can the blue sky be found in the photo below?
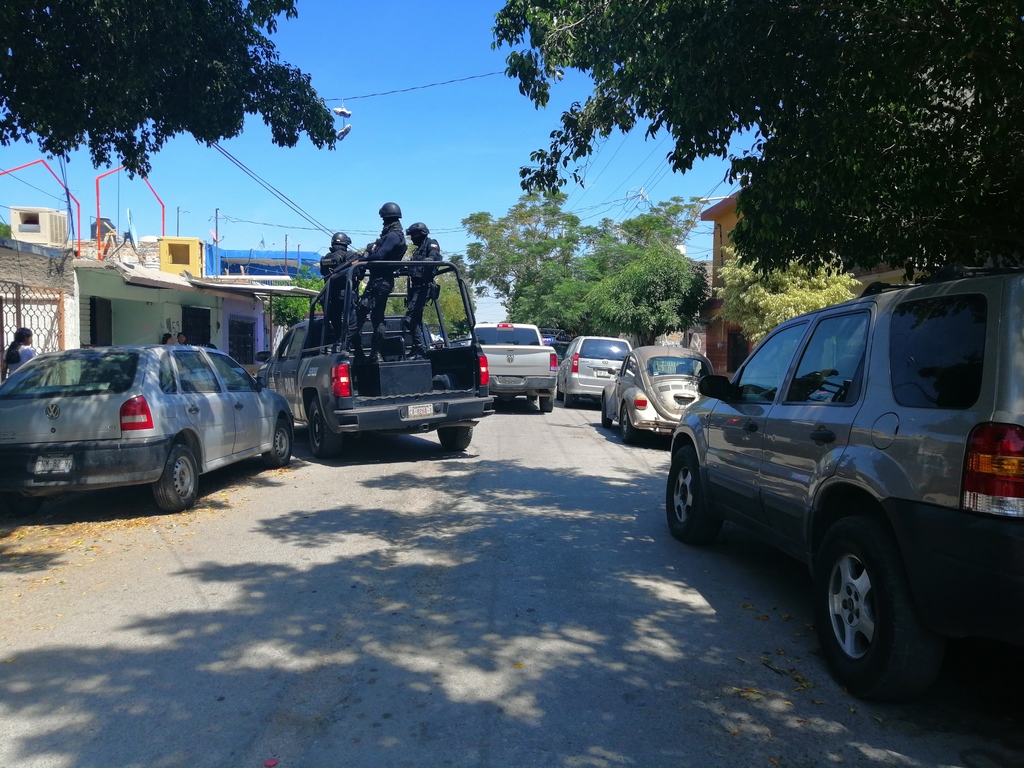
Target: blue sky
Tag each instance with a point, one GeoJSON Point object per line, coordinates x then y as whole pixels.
{"type": "Point", "coordinates": [441, 153]}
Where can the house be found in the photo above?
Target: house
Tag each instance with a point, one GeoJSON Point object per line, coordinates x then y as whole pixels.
{"type": "Point", "coordinates": [120, 294]}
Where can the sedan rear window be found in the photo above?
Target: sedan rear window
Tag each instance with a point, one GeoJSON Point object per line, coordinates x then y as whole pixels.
{"type": "Point", "coordinates": [75, 373]}
{"type": "Point", "coordinates": [603, 349]}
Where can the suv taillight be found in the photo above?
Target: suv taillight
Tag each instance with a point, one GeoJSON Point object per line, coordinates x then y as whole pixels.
{"type": "Point", "coordinates": [485, 374]}
{"type": "Point", "coordinates": [135, 414]}
{"type": "Point", "coordinates": [575, 362]}
{"type": "Point", "coordinates": [554, 361]}
{"type": "Point", "coordinates": [341, 381]}
{"type": "Point", "coordinates": [994, 470]}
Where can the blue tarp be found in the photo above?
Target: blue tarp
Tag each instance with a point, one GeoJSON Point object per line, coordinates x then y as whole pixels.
{"type": "Point", "coordinates": [256, 261]}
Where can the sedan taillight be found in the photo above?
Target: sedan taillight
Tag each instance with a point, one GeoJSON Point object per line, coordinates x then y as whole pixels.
{"type": "Point", "coordinates": [994, 470]}
{"type": "Point", "coordinates": [639, 402]}
{"type": "Point", "coordinates": [135, 414]}
{"type": "Point", "coordinates": [341, 381]}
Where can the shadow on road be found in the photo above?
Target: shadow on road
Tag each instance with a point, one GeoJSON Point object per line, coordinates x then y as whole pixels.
{"type": "Point", "coordinates": [370, 651]}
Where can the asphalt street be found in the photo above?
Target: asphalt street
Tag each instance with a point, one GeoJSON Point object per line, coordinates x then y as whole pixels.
{"type": "Point", "coordinates": [521, 604]}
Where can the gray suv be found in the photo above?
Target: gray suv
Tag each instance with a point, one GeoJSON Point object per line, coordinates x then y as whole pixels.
{"type": "Point", "coordinates": [881, 442]}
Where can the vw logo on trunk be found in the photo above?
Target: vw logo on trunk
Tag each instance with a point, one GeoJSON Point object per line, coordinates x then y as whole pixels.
{"type": "Point", "coordinates": [52, 411]}
{"type": "Point", "coordinates": [510, 358]}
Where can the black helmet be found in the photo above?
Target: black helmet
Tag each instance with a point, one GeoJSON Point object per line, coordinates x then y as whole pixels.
{"type": "Point", "coordinates": [390, 211]}
{"type": "Point", "coordinates": [419, 228]}
{"type": "Point", "coordinates": [340, 241]}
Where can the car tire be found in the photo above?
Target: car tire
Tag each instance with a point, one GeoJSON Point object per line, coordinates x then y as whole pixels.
{"type": "Point", "coordinates": [869, 629]}
{"type": "Point", "coordinates": [280, 453]}
{"type": "Point", "coordinates": [323, 443]}
{"type": "Point", "coordinates": [547, 404]}
{"type": "Point", "coordinates": [627, 431]}
{"type": "Point", "coordinates": [178, 486]}
{"type": "Point", "coordinates": [570, 400]}
{"type": "Point", "coordinates": [16, 505]}
{"type": "Point", "coordinates": [606, 420]}
{"type": "Point", "coordinates": [686, 507]}
{"type": "Point", "coordinates": [559, 394]}
{"type": "Point", "coordinates": [455, 438]}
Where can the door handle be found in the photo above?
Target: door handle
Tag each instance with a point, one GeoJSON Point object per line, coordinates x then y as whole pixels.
{"type": "Point", "coordinates": [822, 435]}
{"type": "Point", "coordinates": [239, 406]}
{"type": "Point", "coordinates": [750, 426]}
{"type": "Point", "coordinates": [192, 409]}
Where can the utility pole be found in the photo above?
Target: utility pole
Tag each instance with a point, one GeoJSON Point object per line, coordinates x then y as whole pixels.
{"type": "Point", "coordinates": [286, 253]}
{"type": "Point", "coordinates": [216, 238]}
{"type": "Point", "coordinates": [177, 227]}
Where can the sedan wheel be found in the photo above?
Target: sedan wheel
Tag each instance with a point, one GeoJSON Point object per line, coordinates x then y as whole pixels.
{"type": "Point", "coordinates": [178, 486]}
{"type": "Point", "coordinates": [627, 431]}
{"type": "Point", "coordinates": [606, 420]}
{"type": "Point", "coordinates": [280, 452]}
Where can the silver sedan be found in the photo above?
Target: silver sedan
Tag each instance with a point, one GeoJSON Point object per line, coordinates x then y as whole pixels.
{"type": "Point", "coordinates": [97, 418]}
{"type": "Point", "coordinates": [652, 389]}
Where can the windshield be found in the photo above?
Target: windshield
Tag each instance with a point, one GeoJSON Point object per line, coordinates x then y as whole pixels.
{"type": "Point", "coordinates": [676, 366]}
{"type": "Point", "coordinates": [74, 373]}
{"type": "Point", "coordinates": [507, 335]}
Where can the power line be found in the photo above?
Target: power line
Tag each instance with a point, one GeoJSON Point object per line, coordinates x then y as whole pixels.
{"type": "Point", "coordinates": [417, 87]}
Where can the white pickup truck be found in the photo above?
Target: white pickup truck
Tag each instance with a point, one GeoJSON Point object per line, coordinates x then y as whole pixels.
{"type": "Point", "coordinates": [519, 363]}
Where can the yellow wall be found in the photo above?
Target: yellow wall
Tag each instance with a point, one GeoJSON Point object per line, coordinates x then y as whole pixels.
{"type": "Point", "coordinates": [181, 254]}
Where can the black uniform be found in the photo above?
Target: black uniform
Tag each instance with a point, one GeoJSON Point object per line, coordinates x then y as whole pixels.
{"type": "Point", "coordinates": [390, 246]}
{"type": "Point", "coordinates": [339, 256]}
{"type": "Point", "coordinates": [421, 288]}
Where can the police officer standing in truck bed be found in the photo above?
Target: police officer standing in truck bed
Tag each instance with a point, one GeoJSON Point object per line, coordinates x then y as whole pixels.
{"type": "Point", "coordinates": [421, 286]}
{"type": "Point", "coordinates": [390, 246]}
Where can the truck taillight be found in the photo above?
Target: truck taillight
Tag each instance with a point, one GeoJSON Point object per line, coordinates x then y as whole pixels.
{"type": "Point", "coordinates": [575, 362]}
{"type": "Point", "coordinates": [135, 414]}
{"type": "Point", "coordinates": [639, 402]}
{"type": "Point", "coordinates": [485, 374]}
{"type": "Point", "coordinates": [341, 381]}
{"type": "Point", "coordinates": [554, 362]}
{"type": "Point", "coordinates": [994, 470]}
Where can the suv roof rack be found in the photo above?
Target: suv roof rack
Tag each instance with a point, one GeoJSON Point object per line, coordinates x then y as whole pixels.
{"type": "Point", "coordinates": [959, 272]}
{"type": "Point", "coordinates": [878, 287]}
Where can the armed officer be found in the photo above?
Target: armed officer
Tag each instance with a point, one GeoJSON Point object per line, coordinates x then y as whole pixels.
{"type": "Point", "coordinates": [421, 285]}
{"type": "Point", "coordinates": [390, 246]}
{"type": "Point", "coordinates": [337, 257]}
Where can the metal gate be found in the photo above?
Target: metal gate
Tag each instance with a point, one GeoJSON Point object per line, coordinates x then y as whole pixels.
{"type": "Point", "coordinates": [41, 309]}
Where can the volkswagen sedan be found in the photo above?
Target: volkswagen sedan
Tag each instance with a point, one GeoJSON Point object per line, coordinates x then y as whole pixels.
{"type": "Point", "coordinates": [652, 389]}
{"type": "Point", "coordinates": [110, 416]}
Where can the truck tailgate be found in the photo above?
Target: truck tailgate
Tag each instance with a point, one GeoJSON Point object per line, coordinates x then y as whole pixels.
{"type": "Point", "coordinates": [514, 360]}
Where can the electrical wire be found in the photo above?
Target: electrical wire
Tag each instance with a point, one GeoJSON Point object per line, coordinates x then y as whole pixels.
{"type": "Point", "coordinates": [272, 189]}
{"type": "Point", "coordinates": [417, 87]}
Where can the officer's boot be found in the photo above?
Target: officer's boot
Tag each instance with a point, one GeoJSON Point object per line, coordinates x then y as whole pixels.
{"type": "Point", "coordinates": [376, 343]}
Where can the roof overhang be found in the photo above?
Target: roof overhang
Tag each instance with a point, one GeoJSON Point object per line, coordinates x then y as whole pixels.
{"type": "Point", "coordinates": [145, 277]}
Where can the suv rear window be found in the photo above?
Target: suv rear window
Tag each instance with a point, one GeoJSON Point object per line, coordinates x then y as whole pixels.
{"type": "Point", "coordinates": [936, 351]}
{"type": "Point", "coordinates": [76, 373]}
{"type": "Point", "coordinates": [516, 336]}
{"type": "Point", "coordinates": [603, 349]}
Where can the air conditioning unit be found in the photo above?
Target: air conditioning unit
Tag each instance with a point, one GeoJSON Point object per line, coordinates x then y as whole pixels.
{"type": "Point", "coordinates": [40, 226]}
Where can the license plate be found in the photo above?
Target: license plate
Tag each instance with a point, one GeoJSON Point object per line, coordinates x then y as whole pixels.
{"type": "Point", "coordinates": [55, 463]}
{"type": "Point", "coordinates": [419, 411]}
{"type": "Point", "coordinates": [599, 373]}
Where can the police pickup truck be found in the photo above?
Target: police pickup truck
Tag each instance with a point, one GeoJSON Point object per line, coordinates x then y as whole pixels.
{"type": "Point", "coordinates": [520, 364]}
{"type": "Point", "coordinates": [337, 392]}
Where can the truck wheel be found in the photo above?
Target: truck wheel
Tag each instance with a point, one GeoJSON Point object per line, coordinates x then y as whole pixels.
{"type": "Point", "coordinates": [18, 505]}
{"type": "Point", "coordinates": [547, 405]}
{"type": "Point", "coordinates": [689, 519]}
{"type": "Point", "coordinates": [868, 627]}
{"type": "Point", "coordinates": [178, 486]}
{"type": "Point", "coordinates": [324, 443]}
{"type": "Point", "coordinates": [627, 431]}
{"type": "Point", "coordinates": [280, 452]}
{"type": "Point", "coordinates": [455, 438]}
{"type": "Point", "coordinates": [606, 420]}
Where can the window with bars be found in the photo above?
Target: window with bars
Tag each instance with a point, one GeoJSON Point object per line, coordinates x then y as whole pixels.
{"type": "Point", "coordinates": [242, 340]}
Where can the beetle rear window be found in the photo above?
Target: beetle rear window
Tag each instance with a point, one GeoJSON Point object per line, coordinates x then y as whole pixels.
{"type": "Point", "coordinates": [937, 351]}
{"type": "Point", "coordinates": [75, 373]}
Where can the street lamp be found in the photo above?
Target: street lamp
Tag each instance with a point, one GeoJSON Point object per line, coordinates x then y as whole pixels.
{"type": "Point", "coordinates": [177, 227]}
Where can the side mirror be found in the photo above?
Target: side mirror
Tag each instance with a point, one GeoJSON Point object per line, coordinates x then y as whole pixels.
{"type": "Point", "coordinates": [718, 387]}
{"type": "Point", "coordinates": [262, 357]}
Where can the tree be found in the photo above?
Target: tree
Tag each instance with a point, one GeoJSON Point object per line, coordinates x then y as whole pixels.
{"type": "Point", "coordinates": [888, 132]}
{"type": "Point", "coordinates": [660, 292]}
{"type": "Point", "coordinates": [289, 310]}
{"type": "Point", "coordinates": [758, 302]}
{"type": "Point", "coordinates": [123, 77]}
{"type": "Point", "coordinates": [5, 230]}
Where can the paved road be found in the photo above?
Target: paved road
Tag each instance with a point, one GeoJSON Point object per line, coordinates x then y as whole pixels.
{"type": "Point", "coordinates": [518, 605]}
